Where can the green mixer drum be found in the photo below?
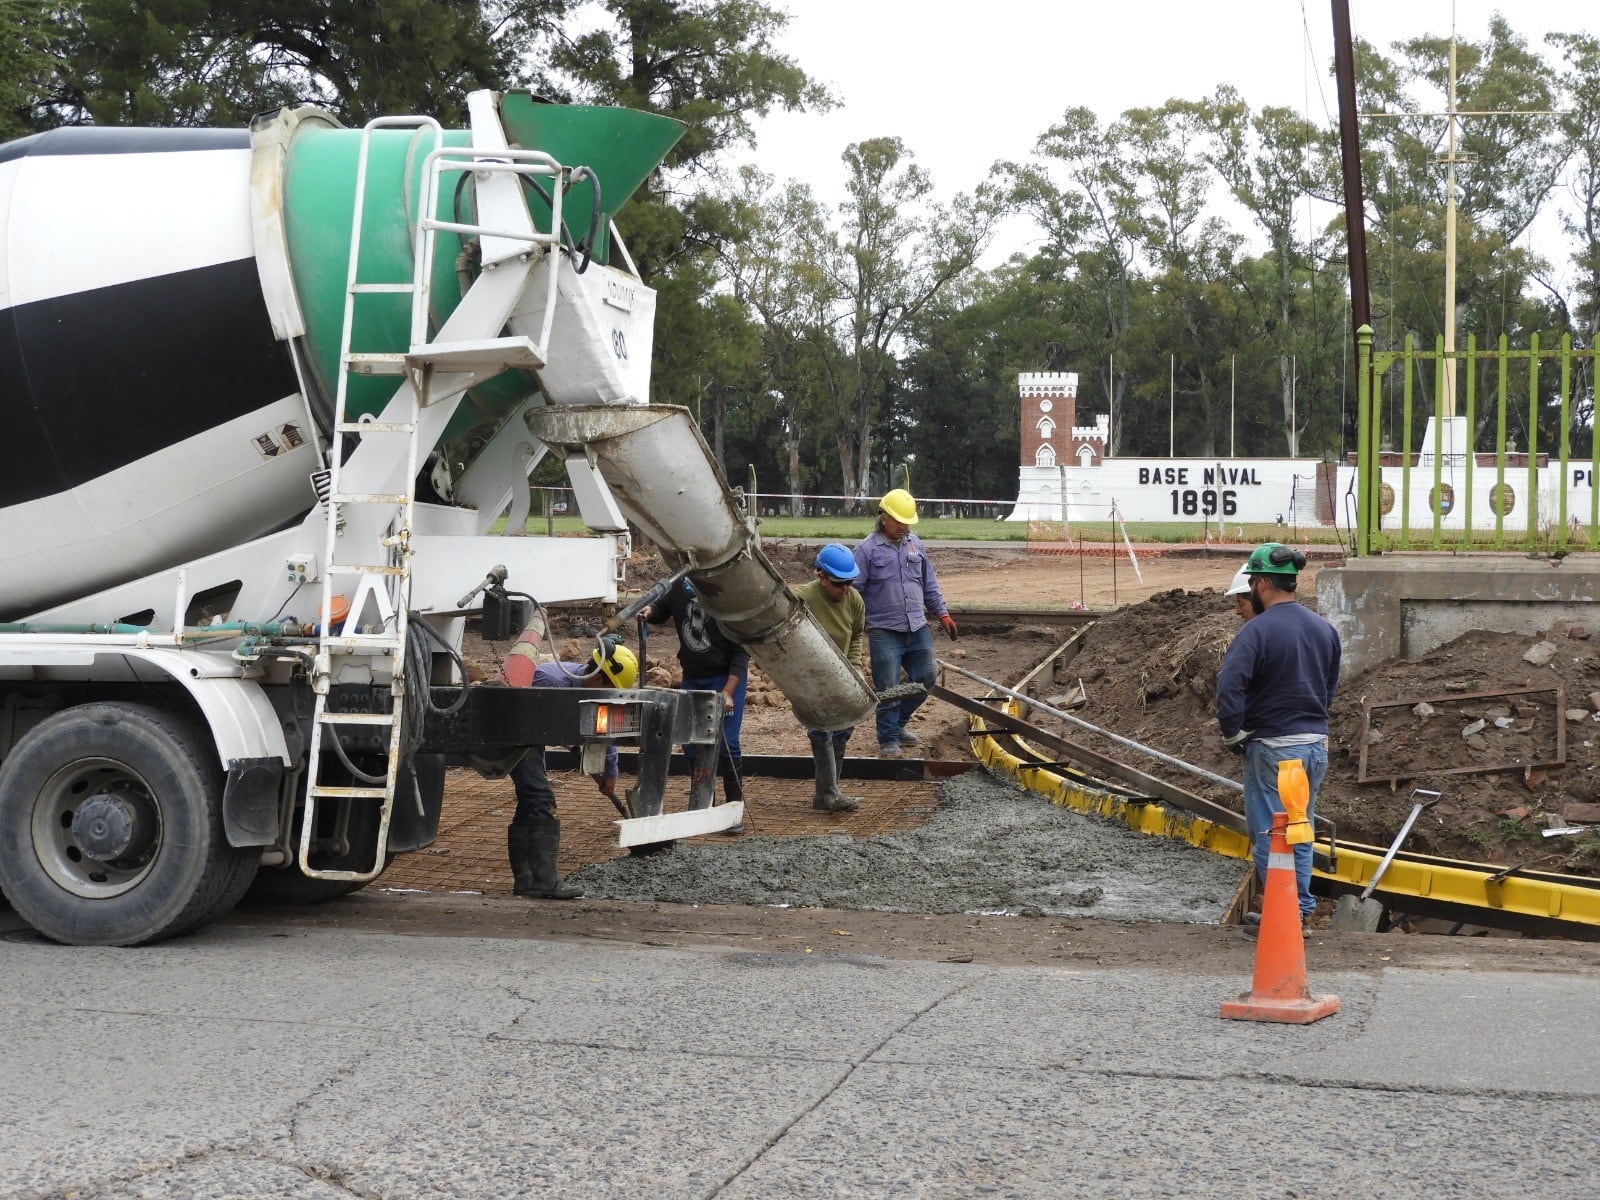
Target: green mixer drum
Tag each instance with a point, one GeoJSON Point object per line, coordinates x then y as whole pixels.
{"type": "Point", "coordinates": [621, 146]}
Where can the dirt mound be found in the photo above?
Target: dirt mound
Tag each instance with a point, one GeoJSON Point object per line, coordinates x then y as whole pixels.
{"type": "Point", "coordinates": [1150, 673]}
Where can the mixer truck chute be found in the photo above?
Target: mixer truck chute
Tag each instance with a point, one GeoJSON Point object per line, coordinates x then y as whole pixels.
{"type": "Point", "coordinates": [231, 649]}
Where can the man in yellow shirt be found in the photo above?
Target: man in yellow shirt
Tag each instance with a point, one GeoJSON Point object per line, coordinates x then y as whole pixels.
{"type": "Point", "coordinates": [842, 613]}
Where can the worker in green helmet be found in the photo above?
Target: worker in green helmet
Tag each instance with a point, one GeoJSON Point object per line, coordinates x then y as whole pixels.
{"type": "Point", "coordinates": [1274, 691]}
{"type": "Point", "coordinates": [898, 583]}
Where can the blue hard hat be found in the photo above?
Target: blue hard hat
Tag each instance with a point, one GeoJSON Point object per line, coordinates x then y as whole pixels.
{"type": "Point", "coordinates": [837, 561]}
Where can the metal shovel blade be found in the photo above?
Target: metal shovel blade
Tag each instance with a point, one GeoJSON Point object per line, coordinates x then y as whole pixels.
{"type": "Point", "coordinates": [1363, 914]}
{"type": "Point", "coordinates": [1353, 914]}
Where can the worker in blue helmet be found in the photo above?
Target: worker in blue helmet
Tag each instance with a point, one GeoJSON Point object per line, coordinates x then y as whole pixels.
{"type": "Point", "coordinates": [839, 609]}
{"type": "Point", "coordinates": [1274, 691]}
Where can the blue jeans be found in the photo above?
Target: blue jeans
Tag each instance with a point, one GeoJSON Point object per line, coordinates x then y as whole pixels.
{"type": "Point", "coordinates": [1261, 802]}
{"type": "Point", "coordinates": [536, 803]}
{"type": "Point", "coordinates": [890, 650]}
{"type": "Point", "coordinates": [731, 720]}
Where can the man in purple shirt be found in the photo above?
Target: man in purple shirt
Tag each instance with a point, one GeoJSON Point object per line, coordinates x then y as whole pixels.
{"type": "Point", "coordinates": [534, 835]}
{"type": "Point", "coordinates": [898, 583]}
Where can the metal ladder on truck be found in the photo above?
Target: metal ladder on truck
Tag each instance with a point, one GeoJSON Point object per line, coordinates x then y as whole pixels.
{"type": "Point", "coordinates": [457, 362]}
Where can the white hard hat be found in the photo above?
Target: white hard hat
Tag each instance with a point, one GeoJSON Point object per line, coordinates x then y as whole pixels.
{"type": "Point", "coordinates": [1240, 585]}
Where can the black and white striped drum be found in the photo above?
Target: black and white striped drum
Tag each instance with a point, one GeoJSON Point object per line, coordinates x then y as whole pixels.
{"type": "Point", "coordinates": [150, 413]}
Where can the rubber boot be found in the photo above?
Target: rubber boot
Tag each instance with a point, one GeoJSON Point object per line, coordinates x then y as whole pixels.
{"type": "Point", "coordinates": [828, 797]}
{"type": "Point", "coordinates": [838, 766]}
{"type": "Point", "coordinates": [544, 881]}
{"type": "Point", "coordinates": [519, 852]}
{"type": "Point", "coordinates": [732, 788]}
{"type": "Point", "coordinates": [732, 792]}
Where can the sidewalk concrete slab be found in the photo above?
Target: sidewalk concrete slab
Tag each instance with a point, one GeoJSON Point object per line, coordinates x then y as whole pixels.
{"type": "Point", "coordinates": [1494, 1031]}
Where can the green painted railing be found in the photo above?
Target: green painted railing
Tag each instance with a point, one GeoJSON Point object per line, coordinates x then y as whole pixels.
{"type": "Point", "coordinates": [1392, 513]}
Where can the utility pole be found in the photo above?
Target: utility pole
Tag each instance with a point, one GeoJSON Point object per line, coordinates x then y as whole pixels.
{"type": "Point", "coordinates": [1355, 228]}
{"type": "Point", "coordinates": [1452, 115]}
{"type": "Point", "coordinates": [1447, 402]}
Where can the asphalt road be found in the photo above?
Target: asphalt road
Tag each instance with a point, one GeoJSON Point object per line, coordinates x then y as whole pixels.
{"type": "Point", "coordinates": [291, 1060]}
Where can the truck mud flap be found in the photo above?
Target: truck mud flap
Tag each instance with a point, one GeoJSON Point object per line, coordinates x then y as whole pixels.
{"type": "Point", "coordinates": [250, 801]}
{"type": "Point", "coordinates": [417, 808]}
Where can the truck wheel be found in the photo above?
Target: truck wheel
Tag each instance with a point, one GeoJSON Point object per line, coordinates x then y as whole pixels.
{"type": "Point", "coordinates": [233, 889]}
{"type": "Point", "coordinates": [111, 827]}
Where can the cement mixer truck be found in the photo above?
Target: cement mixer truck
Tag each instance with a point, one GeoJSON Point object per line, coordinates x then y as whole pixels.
{"type": "Point", "coordinates": [267, 395]}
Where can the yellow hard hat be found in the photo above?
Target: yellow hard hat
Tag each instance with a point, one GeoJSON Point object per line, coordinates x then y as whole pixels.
{"type": "Point", "coordinates": [899, 505]}
{"type": "Point", "coordinates": [619, 665]}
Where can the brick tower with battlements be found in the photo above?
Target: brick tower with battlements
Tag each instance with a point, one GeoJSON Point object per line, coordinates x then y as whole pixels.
{"type": "Point", "coordinates": [1051, 441]}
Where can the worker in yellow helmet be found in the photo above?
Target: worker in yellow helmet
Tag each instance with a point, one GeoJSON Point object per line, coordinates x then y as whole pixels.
{"type": "Point", "coordinates": [900, 588]}
{"type": "Point", "coordinates": [534, 836]}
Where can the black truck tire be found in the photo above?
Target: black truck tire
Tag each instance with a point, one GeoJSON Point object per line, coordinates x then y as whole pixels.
{"type": "Point", "coordinates": [289, 887]}
{"type": "Point", "coordinates": [147, 783]}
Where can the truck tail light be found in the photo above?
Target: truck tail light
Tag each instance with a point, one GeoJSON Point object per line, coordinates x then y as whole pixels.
{"type": "Point", "coordinates": [609, 720]}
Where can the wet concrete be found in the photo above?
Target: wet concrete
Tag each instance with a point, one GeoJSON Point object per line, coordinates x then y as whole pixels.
{"type": "Point", "coordinates": [990, 847]}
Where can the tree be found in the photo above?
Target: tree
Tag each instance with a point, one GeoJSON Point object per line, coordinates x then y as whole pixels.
{"type": "Point", "coordinates": [711, 64]}
{"type": "Point", "coordinates": [900, 250]}
{"type": "Point", "coordinates": [1092, 221]}
{"type": "Point", "coordinates": [1580, 125]}
{"type": "Point", "coordinates": [25, 60]}
{"type": "Point", "coordinates": [1271, 161]}
{"type": "Point", "coordinates": [779, 268]}
{"type": "Point", "coordinates": [1194, 254]}
{"type": "Point", "coordinates": [182, 62]}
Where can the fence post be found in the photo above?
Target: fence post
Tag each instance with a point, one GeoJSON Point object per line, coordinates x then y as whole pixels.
{"type": "Point", "coordinates": [1566, 440]}
{"type": "Point", "coordinates": [1498, 496]}
{"type": "Point", "coordinates": [1471, 438]}
{"type": "Point", "coordinates": [1366, 470]}
{"type": "Point", "coordinates": [1533, 442]}
{"type": "Point", "coordinates": [1442, 404]}
{"type": "Point", "coordinates": [1409, 362]}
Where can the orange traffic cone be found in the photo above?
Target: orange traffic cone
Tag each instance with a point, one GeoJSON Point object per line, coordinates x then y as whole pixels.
{"type": "Point", "coordinates": [1278, 990]}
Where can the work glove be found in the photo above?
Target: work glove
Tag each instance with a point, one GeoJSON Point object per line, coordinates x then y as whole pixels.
{"type": "Point", "coordinates": [607, 785]}
{"type": "Point", "coordinates": [1237, 741]}
{"type": "Point", "coordinates": [949, 624]}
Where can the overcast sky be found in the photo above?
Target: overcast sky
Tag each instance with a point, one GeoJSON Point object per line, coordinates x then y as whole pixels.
{"type": "Point", "coordinates": [967, 84]}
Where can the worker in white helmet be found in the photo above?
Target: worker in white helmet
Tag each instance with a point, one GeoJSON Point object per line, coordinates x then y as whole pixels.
{"type": "Point", "coordinates": [1239, 592]}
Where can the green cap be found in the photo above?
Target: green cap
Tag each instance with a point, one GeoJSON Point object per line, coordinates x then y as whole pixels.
{"type": "Point", "coordinates": [1274, 558]}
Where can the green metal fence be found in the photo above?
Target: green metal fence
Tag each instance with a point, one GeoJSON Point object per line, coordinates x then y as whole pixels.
{"type": "Point", "coordinates": [1448, 494]}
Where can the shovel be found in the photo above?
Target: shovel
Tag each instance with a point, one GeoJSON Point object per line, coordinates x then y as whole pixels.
{"type": "Point", "coordinates": [1363, 914]}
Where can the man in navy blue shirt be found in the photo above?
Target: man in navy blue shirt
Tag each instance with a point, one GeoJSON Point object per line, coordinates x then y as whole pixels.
{"type": "Point", "coordinates": [712, 662]}
{"type": "Point", "coordinates": [1273, 695]}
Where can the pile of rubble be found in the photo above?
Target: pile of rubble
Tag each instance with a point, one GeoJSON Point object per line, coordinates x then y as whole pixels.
{"type": "Point", "coordinates": [1505, 726]}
